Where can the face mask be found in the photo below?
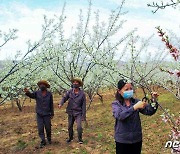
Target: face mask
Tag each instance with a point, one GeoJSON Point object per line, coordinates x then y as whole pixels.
{"type": "Point", "coordinates": [43, 88]}
{"type": "Point", "coordinates": [75, 86]}
{"type": "Point", "coordinates": [128, 94]}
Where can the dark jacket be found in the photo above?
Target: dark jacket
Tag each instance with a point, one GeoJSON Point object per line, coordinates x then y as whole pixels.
{"type": "Point", "coordinates": [128, 124]}
{"type": "Point", "coordinates": [76, 104]}
{"type": "Point", "coordinates": [44, 104]}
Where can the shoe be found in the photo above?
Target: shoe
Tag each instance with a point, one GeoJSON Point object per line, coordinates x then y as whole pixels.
{"type": "Point", "coordinates": [69, 140]}
{"type": "Point", "coordinates": [80, 141]}
{"type": "Point", "coordinates": [49, 142]}
{"type": "Point", "coordinates": [42, 144]}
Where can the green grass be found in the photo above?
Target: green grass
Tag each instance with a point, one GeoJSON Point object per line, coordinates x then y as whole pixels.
{"type": "Point", "coordinates": [21, 145]}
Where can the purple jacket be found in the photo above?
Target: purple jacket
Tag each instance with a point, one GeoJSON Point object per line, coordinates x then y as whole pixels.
{"type": "Point", "coordinates": [76, 104]}
{"type": "Point", "coordinates": [44, 104]}
{"type": "Point", "coordinates": [128, 124]}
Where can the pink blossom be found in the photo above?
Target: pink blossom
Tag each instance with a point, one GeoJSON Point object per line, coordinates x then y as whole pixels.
{"type": "Point", "coordinates": [174, 51]}
{"type": "Point", "coordinates": [164, 118]}
{"type": "Point", "coordinates": [176, 150]}
{"type": "Point", "coordinates": [175, 134]}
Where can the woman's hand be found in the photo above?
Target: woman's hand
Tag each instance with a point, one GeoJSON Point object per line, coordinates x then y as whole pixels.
{"type": "Point", "coordinates": [140, 105]}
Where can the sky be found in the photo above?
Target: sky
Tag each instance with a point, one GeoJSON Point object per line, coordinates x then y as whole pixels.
{"type": "Point", "coordinates": [27, 17]}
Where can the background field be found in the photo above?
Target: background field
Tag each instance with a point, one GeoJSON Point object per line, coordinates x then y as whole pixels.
{"type": "Point", "coordinates": [18, 130]}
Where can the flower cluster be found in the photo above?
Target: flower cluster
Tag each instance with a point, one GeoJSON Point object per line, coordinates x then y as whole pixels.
{"type": "Point", "coordinates": [176, 73]}
{"type": "Point", "coordinates": [164, 118]}
{"type": "Point", "coordinates": [173, 50]}
{"type": "Point", "coordinates": [175, 132]}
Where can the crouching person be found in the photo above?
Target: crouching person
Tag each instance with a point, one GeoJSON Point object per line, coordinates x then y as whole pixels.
{"type": "Point", "coordinates": [76, 108]}
{"type": "Point", "coordinates": [44, 110]}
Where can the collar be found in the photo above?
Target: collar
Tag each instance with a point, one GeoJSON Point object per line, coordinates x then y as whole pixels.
{"type": "Point", "coordinates": [77, 93]}
{"type": "Point", "coordinates": [47, 93]}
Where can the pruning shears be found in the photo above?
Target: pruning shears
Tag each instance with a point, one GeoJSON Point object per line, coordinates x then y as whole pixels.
{"type": "Point", "coordinates": [152, 102]}
{"type": "Point", "coordinates": [145, 99]}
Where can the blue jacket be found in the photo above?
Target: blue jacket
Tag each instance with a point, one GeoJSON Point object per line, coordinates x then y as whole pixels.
{"type": "Point", "coordinates": [128, 124]}
{"type": "Point", "coordinates": [76, 103]}
{"type": "Point", "coordinates": [44, 104]}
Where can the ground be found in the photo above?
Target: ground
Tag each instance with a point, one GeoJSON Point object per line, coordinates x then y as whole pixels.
{"type": "Point", "coordinates": [18, 130]}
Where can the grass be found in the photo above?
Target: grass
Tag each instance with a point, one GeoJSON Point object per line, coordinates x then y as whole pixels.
{"type": "Point", "coordinates": [19, 129]}
{"type": "Point", "coordinates": [21, 145]}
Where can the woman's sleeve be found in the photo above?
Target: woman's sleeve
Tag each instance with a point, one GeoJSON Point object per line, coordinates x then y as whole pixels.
{"type": "Point", "coordinates": [121, 114]}
{"type": "Point", "coordinates": [149, 110]}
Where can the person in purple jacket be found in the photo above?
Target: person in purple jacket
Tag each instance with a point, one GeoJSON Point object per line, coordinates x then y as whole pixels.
{"type": "Point", "coordinates": [76, 108]}
{"type": "Point", "coordinates": [44, 110]}
{"type": "Point", "coordinates": [128, 131]}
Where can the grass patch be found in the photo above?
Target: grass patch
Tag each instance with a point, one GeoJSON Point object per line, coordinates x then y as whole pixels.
{"type": "Point", "coordinates": [21, 145]}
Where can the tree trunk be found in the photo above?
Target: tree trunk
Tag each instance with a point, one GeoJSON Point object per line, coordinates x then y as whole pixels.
{"type": "Point", "coordinates": [19, 105]}
{"type": "Point", "coordinates": [12, 104]}
{"type": "Point", "coordinates": [100, 97]}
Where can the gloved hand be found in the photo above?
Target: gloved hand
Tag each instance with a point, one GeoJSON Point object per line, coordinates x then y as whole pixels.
{"type": "Point", "coordinates": [140, 105]}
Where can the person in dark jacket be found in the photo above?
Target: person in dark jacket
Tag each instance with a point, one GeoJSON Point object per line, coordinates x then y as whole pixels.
{"type": "Point", "coordinates": [76, 108]}
{"type": "Point", "coordinates": [44, 110]}
{"type": "Point", "coordinates": [128, 131]}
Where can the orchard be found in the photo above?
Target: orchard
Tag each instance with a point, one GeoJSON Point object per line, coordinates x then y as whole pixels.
{"type": "Point", "coordinates": [91, 52]}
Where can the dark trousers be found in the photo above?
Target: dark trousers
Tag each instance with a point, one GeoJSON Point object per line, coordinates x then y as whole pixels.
{"type": "Point", "coordinates": [44, 122]}
{"type": "Point", "coordinates": [123, 148]}
{"type": "Point", "coordinates": [78, 120]}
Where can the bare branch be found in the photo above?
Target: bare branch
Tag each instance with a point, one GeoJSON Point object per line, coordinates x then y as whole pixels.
{"type": "Point", "coordinates": [162, 5]}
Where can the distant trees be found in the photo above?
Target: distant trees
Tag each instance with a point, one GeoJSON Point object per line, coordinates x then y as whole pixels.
{"type": "Point", "coordinates": [90, 52]}
{"type": "Point", "coordinates": [59, 59]}
{"type": "Point", "coordinates": [16, 72]}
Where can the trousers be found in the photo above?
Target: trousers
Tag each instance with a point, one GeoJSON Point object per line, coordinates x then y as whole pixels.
{"type": "Point", "coordinates": [44, 122]}
{"type": "Point", "coordinates": [123, 148]}
{"type": "Point", "coordinates": [71, 120]}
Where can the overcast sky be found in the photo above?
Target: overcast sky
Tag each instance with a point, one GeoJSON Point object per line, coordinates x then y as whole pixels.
{"type": "Point", "coordinates": [27, 17]}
